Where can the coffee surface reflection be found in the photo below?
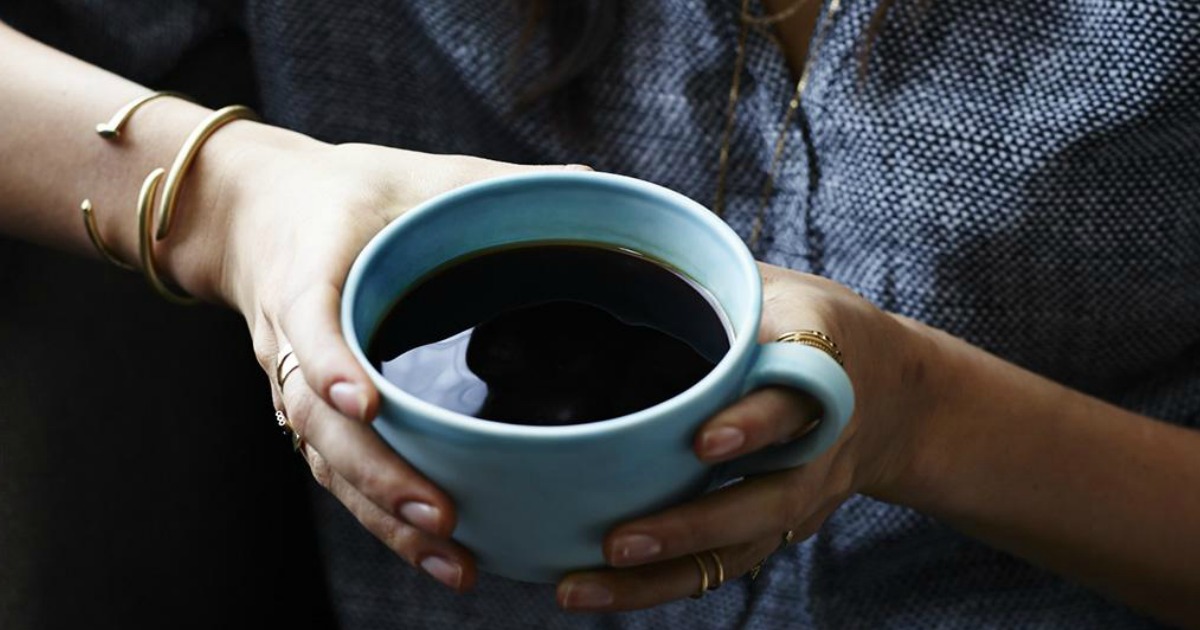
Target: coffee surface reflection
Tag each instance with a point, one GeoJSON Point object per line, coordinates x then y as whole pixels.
{"type": "Point", "coordinates": [550, 334]}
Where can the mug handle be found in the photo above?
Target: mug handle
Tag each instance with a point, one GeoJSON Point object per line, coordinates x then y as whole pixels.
{"type": "Point", "coordinates": [813, 372]}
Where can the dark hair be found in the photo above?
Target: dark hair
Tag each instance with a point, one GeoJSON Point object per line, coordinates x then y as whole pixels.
{"type": "Point", "coordinates": [578, 33]}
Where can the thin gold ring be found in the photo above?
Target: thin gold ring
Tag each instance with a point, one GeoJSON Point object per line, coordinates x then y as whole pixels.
{"type": "Point", "coordinates": [281, 374]}
{"type": "Point", "coordinates": [288, 373]}
{"type": "Point", "coordinates": [703, 576]}
{"type": "Point", "coordinates": [287, 352]}
{"type": "Point", "coordinates": [720, 570]}
{"type": "Point", "coordinates": [814, 339]}
{"type": "Point", "coordinates": [285, 423]}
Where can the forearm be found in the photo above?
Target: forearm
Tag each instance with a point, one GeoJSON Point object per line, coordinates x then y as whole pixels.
{"type": "Point", "coordinates": [1074, 484]}
{"type": "Point", "coordinates": [53, 160]}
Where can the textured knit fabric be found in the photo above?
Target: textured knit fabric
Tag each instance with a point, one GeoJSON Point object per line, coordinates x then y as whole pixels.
{"type": "Point", "coordinates": [1024, 175]}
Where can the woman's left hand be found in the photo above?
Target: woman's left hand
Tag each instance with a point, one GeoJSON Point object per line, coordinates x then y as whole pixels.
{"type": "Point", "coordinates": [746, 522]}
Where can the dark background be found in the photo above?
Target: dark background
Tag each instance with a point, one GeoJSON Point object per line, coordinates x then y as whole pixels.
{"type": "Point", "coordinates": [143, 481]}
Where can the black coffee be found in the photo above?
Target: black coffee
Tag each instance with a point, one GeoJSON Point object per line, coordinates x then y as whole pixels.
{"type": "Point", "coordinates": [550, 334]}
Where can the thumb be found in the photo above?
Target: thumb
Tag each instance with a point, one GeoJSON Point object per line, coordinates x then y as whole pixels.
{"type": "Point", "coordinates": [311, 325]}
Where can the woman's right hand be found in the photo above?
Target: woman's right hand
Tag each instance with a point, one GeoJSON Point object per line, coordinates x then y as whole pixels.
{"type": "Point", "coordinates": [280, 224]}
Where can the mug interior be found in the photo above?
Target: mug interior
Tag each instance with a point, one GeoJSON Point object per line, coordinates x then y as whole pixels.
{"type": "Point", "coordinates": [575, 206]}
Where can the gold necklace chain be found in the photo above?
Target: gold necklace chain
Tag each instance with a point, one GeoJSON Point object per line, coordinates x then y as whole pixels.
{"type": "Point", "coordinates": [746, 20]}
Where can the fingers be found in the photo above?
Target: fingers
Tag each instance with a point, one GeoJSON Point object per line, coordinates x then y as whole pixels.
{"type": "Point", "coordinates": [551, 167]}
{"type": "Point", "coordinates": [441, 559]}
{"type": "Point", "coordinates": [352, 451]}
{"type": "Point", "coordinates": [310, 322]}
{"type": "Point", "coordinates": [674, 578]}
{"type": "Point", "coordinates": [310, 319]}
{"type": "Point", "coordinates": [491, 168]}
{"type": "Point", "coordinates": [470, 169]}
{"type": "Point", "coordinates": [393, 501]}
{"type": "Point", "coordinates": [769, 416]}
{"type": "Point", "coordinates": [756, 508]}
{"type": "Point", "coordinates": [333, 423]}
{"type": "Point", "coordinates": [646, 586]}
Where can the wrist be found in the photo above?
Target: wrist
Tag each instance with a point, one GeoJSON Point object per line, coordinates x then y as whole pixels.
{"type": "Point", "coordinates": [219, 189]}
{"type": "Point", "coordinates": [926, 378]}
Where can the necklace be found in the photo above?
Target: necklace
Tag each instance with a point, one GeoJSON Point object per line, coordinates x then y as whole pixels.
{"type": "Point", "coordinates": [762, 24]}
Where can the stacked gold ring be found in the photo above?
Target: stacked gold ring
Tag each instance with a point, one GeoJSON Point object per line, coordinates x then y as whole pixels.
{"type": "Point", "coordinates": [284, 369]}
{"type": "Point", "coordinates": [282, 374]}
{"type": "Point", "coordinates": [709, 583]}
{"type": "Point", "coordinates": [815, 339]}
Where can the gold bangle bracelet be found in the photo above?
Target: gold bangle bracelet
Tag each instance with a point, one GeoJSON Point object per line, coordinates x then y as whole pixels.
{"type": "Point", "coordinates": [89, 224]}
{"type": "Point", "coordinates": [111, 131]}
{"type": "Point", "coordinates": [145, 222]}
{"type": "Point", "coordinates": [155, 225]}
{"type": "Point", "coordinates": [185, 157]}
{"type": "Point", "coordinates": [147, 234]}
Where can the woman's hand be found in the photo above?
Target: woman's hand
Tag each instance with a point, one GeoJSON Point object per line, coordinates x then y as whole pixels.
{"type": "Point", "coordinates": [746, 522]}
{"type": "Point", "coordinates": [297, 212]}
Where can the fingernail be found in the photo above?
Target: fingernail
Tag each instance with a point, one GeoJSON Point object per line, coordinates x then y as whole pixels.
{"type": "Point", "coordinates": [586, 595]}
{"type": "Point", "coordinates": [634, 549]}
{"type": "Point", "coordinates": [443, 570]}
{"type": "Point", "coordinates": [423, 516]}
{"type": "Point", "coordinates": [350, 399]}
{"type": "Point", "coordinates": [722, 441]}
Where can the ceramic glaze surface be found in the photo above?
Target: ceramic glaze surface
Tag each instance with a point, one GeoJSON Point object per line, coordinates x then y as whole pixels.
{"type": "Point", "coordinates": [534, 502]}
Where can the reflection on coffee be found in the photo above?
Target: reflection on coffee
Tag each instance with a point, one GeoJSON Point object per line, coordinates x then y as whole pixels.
{"type": "Point", "coordinates": [550, 334]}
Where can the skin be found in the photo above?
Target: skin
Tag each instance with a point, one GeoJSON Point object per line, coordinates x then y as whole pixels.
{"type": "Point", "coordinates": [1068, 482]}
{"type": "Point", "coordinates": [796, 30]}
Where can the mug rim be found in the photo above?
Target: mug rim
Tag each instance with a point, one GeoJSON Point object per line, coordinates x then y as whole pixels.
{"type": "Point", "coordinates": [744, 335]}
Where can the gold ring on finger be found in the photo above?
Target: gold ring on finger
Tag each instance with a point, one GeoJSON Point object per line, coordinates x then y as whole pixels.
{"type": "Point", "coordinates": [720, 570]}
{"type": "Point", "coordinates": [703, 576]}
{"type": "Point", "coordinates": [285, 423]}
{"type": "Point", "coordinates": [288, 363]}
{"type": "Point", "coordinates": [814, 339]}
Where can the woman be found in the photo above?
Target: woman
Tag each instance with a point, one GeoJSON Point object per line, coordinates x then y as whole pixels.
{"type": "Point", "coordinates": [1002, 202]}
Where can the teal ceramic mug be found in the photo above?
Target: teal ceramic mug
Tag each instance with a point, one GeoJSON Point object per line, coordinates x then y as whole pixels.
{"type": "Point", "coordinates": [534, 502]}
